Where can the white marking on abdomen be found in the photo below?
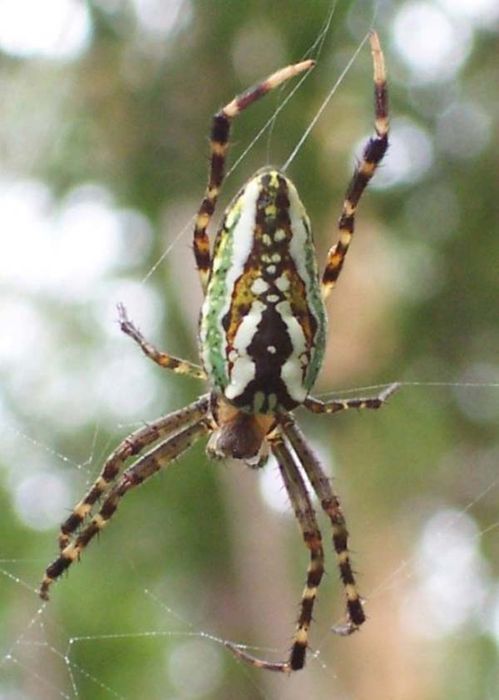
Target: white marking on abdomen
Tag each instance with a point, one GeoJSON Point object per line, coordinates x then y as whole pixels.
{"type": "Point", "coordinates": [242, 236]}
{"type": "Point", "coordinates": [244, 369]}
{"type": "Point", "coordinates": [291, 371]}
{"type": "Point", "coordinates": [259, 286]}
{"type": "Point", "coordinates": [243, 372]}
{"type": "Point", "coordinates": [282, 283]}
{"type": "Point", "coordinates": [242, 242]}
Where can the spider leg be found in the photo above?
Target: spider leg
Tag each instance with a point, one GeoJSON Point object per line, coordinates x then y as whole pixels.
{"type": "Point", "coordinates": [335, 405]}
{"type": "Point", "coordinates": [300, 500]}
{"type": "Point", "coordinates": [331, 506]}
{"type": "Point", "coordinates": [162, 359]}
{"type": "Point", "coordinates": [135, 475]}
{"type": "Point", "coordinates": [220, 132]}
{"type": "Point", "coordinates": [129, 447]}
{"type": "Point", "coordinates": [371, 158]}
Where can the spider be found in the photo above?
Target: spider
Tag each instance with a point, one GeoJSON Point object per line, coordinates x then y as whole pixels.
{"type": "Point", "coordinates": [262, 339]}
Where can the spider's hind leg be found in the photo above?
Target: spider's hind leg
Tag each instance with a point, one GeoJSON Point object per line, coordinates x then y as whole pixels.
{"type": "Point", "coordinates": [305, 515]}
{"type": "Point", "coordinates": [331, 506]}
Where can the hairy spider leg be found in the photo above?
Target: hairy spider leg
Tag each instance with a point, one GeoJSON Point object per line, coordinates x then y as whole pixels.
{"type": "Point", "coordinates": [371, 158]}
{"type": "Point", "coordinates": [131, 446]}
{"type": "Point", "coordinates": [331, 506]}
{"type": "Point", "coordinates": [304, 512]}
{"type": "Point", "coordinates": [135, 475]}
{"type": "Point", "coordinates": [335, 405]}
{"type": "Point", "coordinates": [162, 359]}
{"type": "Point", "coordinates": [220, 132]}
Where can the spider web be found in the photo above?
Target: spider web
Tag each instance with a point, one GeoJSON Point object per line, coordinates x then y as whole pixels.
{"type": "Point", "coordinates": [441, 586]}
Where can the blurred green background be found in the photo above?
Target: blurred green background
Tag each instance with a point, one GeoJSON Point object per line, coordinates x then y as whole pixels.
{"type": "Point", "coordinates": [103, 158]}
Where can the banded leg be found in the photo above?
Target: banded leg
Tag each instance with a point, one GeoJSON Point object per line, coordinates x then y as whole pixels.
{"type": "Point", "coordinates": [129, 447]}
{"type": "Point", "coordinates": [160, 358]}
{"type": "Point", "coordinates": [371, 158]}
{"type": "Point", "coordinates": [335, 405]}
{"type": "Point", "coordinates": [145, 467]}
{"type": "Point", "coordinates": [305, 515]}
{"type": "Point", "coordinates": [331, 506]}
{"type": "Point", "coordinates": [220, 132]}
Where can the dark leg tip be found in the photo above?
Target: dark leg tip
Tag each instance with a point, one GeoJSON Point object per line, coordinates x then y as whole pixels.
{"type": "Point", "coordinates": [43, 591]}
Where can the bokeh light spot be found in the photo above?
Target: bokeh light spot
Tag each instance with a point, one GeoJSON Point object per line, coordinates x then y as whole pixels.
{"type": "Point", "coordinates": [463, 130]}
{"type": "Point", "coordinates": [452, 578]}
{"type": "Point", "coordinates": [162, 17]}
{"type": "Point", "coordinates": [431, 44]}
{"type": "Point", "coordinates": [59, 29]}
{"type": "Point", "coordinates": [40, 498]}
{"type": "Point", "coordinates": [481, 12]}
{"type": "Point", "coordinates": [272, 488]}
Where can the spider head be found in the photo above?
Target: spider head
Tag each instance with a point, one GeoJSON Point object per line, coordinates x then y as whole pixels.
{"type": "Point", "coordinates": [239, 435]}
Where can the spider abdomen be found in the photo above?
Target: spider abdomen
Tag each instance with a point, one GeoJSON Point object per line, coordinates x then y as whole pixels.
{"type": "Point", "coordinates": [263, 323]}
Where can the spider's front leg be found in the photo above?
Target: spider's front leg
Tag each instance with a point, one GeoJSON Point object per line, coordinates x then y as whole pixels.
{"type": "Point", "coordinates": [220, 133]}
{"type": "Point", "coordinates": [371, 158]}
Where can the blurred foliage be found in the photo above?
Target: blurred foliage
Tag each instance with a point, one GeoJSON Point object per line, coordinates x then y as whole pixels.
{"type": "Point", "coordinates": [417, 303]}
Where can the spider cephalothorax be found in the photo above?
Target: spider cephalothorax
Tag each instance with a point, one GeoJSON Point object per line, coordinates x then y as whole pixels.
{"type": "Point", "coordinates": [262, 337]}
{"type": "Point", "coordinates": [238, 434]}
